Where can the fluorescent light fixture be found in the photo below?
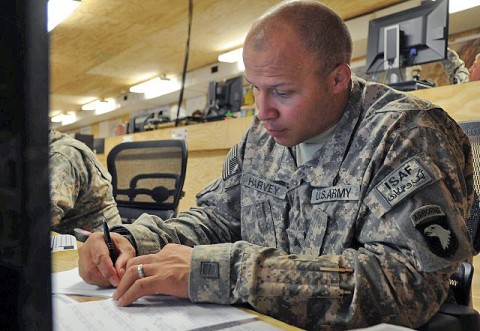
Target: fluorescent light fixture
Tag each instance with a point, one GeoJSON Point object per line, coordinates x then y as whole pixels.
{"type": "Point", "coordinates": [100, 106]}
{"type": "Point", "coordinates": [460, 5]}
{"type": "Point", "coordinates": [58, 10]}
{"type": "Point", "coordinates": [69, 119]}
{"type": "Point", "coordinates": [232, 56]}
{"type": "Point", "coordinates": [65, 119]}
{"type": "Point", "coordinates": [105, 106]}
{"type": "Point", "coordinates": [57, 118]}
{"type": "Point", "coordinates": [156, 87]}
{"type": "Point", "coordinates": [94, 105]}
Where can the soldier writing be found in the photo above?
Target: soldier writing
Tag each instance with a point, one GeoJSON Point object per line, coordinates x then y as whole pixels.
{"type": "Point", "coordinates": [329, 211]}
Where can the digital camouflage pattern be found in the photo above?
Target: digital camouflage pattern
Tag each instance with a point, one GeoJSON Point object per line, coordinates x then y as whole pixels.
{"type": "Point", "coordinates": [368, 231]}
{"type": "Point", "coordinates": [455, 68]}
{"type": "Point", "coordinates": [80, 187]}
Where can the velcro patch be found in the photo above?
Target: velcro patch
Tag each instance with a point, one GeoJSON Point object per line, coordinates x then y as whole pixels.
{"type": "Point", "coordinates": [403, 181]}
{"type": "Point", "coordinates": [264, 186]}
{"type": "Point", "coordinates": [431, 221]}
{"type": "Point", "coordinates": [209, 270]}
{"type": "Point", "coordinates": [424, 213]}
{"type": "Point", "coordinates": [231, 165]}
{"type": "Point", "coordinates": [334, 193]}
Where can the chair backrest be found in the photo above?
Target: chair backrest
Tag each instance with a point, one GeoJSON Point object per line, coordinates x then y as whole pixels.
{"type": "Point", "coordinates": [148, 175]}
{"type": "Point", "coordinates": [461, 280]}
{"type": "Point", "coordinates": [472, 129]}
{"type": "Point", "coordinates": [460, 315]}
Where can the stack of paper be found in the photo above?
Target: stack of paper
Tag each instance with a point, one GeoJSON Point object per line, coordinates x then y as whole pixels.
{"type": "Point", "coordinates": [147, 313]}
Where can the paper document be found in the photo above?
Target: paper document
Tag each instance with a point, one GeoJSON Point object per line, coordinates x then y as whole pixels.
{"type": "Point", "coordinates": [62, 242]}
{"type": "Point", "coordinates": [70, 282]}
{"type": "Point", "coordinates": [148, 313]}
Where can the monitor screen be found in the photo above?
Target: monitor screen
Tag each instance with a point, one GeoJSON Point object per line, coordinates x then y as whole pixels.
{"type": "Point", "coordinates": [138, 122]}
{"type": "Point", "coordinates": [413, 36]}
{"type": "Point", "coordinates": [230, 94]}
{"type": "Point", "coordinates": [226, 96]}
{"type": "Point", "coordinates": [25, 266]}
{"type": "Point", "coordinates": [99, 145]}
{"type": "Point", "coordinates": [87, 139]}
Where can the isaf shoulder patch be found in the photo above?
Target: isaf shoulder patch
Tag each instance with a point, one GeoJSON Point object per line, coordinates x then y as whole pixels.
{"type": "Point", "coordinates": [403, 181]}
{"type": "Point", "coordinates": [431, 221]}
{"type": "Point", "coordinates": [231, 165]}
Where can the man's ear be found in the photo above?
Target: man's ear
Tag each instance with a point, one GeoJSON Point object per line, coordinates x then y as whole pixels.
{"type": "Point", "coordinates": [341, 76]}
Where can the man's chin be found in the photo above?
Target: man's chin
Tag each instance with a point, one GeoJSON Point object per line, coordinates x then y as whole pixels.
{"type": "Point", "coordinates": [283, 141]}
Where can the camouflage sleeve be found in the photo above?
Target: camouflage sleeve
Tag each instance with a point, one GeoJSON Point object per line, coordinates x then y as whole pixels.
{"type": "Point", "coordinates": [65, 184]}
{"type": "Point", "coordinates": [394, 275]}
{"type": "Point", "coordinates": [455, 68]}
{"type": "Point", "coordinates": [197, 226]}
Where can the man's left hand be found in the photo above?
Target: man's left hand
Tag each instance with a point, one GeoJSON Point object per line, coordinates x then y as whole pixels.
{"type": "Point", "coordinates": [165, 272]}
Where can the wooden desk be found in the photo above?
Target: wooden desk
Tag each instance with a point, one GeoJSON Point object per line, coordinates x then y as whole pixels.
{"type": "Point", "coordinates": [67, 260]}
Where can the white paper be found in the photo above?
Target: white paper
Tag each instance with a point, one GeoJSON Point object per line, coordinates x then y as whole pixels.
{"type": "Point", "coordinates": [149, 313]}
{"type": "Point", "coordinates": [70, 282]}
{"type": "Point", "coordinates": [62, 299]}
{"type": "Point", "coordinates": [63, 242]}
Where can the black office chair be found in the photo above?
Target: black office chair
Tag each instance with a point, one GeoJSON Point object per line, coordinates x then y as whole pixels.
{"type": "Point", "coordinates": [148, 177]}
{"type": "Point", "coordinates": [457, 313]}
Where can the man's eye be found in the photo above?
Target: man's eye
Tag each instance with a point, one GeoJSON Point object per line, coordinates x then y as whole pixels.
{"type": "Point", "coordinates": [281, 93]}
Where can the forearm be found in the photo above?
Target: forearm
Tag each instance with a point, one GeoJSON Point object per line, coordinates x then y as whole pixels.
{"type": "Point", "coordinates": [198, 226]}
{"type": "Point", "coordinates": [354, 289]}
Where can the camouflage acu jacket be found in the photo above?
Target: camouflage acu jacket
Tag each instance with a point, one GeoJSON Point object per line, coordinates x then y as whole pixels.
{"type": "Point", "coordinates": [367, 231]}
{"type": "Point", "coordinates": [80, 187]}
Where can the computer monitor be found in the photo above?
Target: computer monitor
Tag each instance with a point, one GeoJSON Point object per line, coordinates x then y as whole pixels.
{"type": "Point", "coordinates": [138, 122]}
{"type": "Point", "coordinates": [99, 145]}
{"type": "Point", "coordinates": [226, 96]}
{"type": "Point", "coordinates": [25, 266]}
{"type": "Point", "coordinates": [230, 94]}
{"type": "Point", "coordinates": [87, 139]}
{"type": "Point", "coordinates": [413, 36]}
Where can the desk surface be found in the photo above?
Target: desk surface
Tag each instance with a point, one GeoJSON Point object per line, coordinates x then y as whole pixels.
{"type": "Point", "coordinates": [66, 260]}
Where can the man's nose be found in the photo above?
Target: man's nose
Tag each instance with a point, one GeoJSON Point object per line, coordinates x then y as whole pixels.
{"type": "Point", "coordinates": [264, 107]}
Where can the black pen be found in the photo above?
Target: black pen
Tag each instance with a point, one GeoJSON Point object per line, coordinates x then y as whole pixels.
{"type": "Point", "coordinates": [108, 241]}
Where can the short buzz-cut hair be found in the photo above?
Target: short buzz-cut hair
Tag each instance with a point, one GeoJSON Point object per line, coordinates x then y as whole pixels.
{"type": "Point", "coordinates": [320, 30]}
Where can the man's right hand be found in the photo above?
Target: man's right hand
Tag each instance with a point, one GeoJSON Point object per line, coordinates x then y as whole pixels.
{"type": "Point", "coordinates": [94, 263]}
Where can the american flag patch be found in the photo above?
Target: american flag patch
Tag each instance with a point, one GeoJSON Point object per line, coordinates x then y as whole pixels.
{"type": "Point", "coordinates": [231, 166]}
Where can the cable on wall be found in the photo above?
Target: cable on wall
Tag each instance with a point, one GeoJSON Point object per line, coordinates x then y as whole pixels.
{"type": "Point", "coordinates": [185, 62]}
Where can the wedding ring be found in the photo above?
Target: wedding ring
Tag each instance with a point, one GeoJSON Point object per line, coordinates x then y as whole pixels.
{"type": "Point", "coordinates": [140, 271]}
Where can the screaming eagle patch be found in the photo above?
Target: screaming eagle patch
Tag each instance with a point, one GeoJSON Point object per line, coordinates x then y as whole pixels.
{"type": "Point", "coordinates": [431, 221]}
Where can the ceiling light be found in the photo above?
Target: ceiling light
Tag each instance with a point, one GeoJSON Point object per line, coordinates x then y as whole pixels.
{"type": "Point", "coordinates": [105, 106]}
{"type": "Point", "coordinates": [232, 56]}
{"type": "Point", "coordinates": [460, 5]}
{"type": "Point", "coordinates": [69, 119]}
{"type": "Point", "coordinates": [94, 105]}
{"type": "Point", "coordinates": [57, 118]}
{"type": "Point", "coordinates": [65, 119]}
{"type": "Point", "coordinates": [156, 87]}
{"type": "Point", "coordinates": [58, 10]}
